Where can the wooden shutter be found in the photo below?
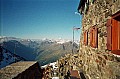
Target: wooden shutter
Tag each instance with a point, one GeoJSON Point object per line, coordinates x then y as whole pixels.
{"type": "Point", "coordinates": [94, 37]}
{"type": "Point", "coordinates": [91, 37]}
{"type": "Point", "coordinates": [115, 30]}
{"type": "Point", "coordinates": [119, 35]}
{"type": "Point", "coordinates": [95, 34]}
{"type": "Point", "coordinates": [109, 34]}
{"type": "Point", "coordinates": [115, 37]}
{"type": "Point", "coordinates": [113, 33]}
{"type": "Point", "coordinates": [85, 37]}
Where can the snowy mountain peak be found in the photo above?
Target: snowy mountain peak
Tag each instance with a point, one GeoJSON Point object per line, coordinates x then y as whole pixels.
{"type": "Point", "coordinates": [61, 41]}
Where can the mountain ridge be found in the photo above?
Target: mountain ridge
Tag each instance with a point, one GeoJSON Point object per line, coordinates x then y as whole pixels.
{"type": "Point", "coordinates": [44, 51]}
{"type": "Point", "coordinates": [7, 57]}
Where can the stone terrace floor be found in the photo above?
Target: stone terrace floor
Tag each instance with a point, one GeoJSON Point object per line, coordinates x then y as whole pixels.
{"type": "Point", "coordinates": [14, 69]}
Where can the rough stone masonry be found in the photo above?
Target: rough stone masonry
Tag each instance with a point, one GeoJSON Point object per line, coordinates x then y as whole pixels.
{"type": "Point", "coordinates": [94, 59]}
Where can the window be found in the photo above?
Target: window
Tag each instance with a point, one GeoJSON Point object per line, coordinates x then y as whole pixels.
{"type": "Point", "coordinates": [86, 37]}
{"type": "Point", "coordinates": [94, 37]}
{"type": "Point", "coordinates": [113, 34]}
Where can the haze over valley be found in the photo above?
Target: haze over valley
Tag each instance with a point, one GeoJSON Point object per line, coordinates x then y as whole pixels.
{"type": "Point", "coordinates": [44, 51]}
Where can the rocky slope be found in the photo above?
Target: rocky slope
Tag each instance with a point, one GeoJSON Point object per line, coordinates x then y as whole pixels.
{"type": "Point", "coordinates": [7, 57]}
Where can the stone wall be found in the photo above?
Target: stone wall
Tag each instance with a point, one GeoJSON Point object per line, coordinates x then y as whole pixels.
{"type": "Point", "coordinates": [94, 63]}
{"type": "Point", "coordinates": [69, 62]}
{"type": "Point", "coordinates": [47, 72]}
{"type": "Point", "coordinates": [98, 63]}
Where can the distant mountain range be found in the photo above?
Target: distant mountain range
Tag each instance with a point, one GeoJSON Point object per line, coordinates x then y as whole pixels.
{"type": "Point", "coordinates": [44, 51]}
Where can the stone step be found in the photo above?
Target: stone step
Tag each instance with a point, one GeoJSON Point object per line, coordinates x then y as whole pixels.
{"type": "Point", "coordinates": [74, 74]}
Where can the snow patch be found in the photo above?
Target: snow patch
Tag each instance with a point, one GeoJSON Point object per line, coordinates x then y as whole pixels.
{"type": "Point", "coordinates": [7, 57]}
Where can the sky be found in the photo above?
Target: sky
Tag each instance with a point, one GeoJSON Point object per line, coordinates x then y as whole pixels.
{"type": "Point", "coordinates": [38, 19]}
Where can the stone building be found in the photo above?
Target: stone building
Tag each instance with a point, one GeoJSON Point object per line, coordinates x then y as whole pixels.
{"type": "Point", "coordinates": [100, 38]}
{"type": "Point", "coordinates": [99, 54]}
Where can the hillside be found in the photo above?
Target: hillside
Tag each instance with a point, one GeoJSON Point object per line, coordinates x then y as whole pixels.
{"type": "Point", "coordinates": [20, 49]}
{"type": "Point", "coordinates": [7, 57]}
{"type": "Point", "coordinates": [44, 51]}
{"type": "Point", "coordinates": [53, 51]}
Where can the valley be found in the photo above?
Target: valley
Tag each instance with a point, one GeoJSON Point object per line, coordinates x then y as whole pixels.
{"type": "Point", "coordinates": [43, 51]}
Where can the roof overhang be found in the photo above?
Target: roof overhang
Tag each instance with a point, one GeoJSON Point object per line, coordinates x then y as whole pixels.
{"type": "Point", "coordinates": [81, 5]}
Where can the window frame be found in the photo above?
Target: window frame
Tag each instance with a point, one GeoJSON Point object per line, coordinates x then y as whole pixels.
{"type": "Point", "coordinates": [113, 33]}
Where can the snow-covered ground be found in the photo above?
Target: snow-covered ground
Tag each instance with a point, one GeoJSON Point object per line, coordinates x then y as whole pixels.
{"type": "Point", "coordinates": [54, 68]}
{"type": "Point", "coordinates": [51, 64]}
{"type": "Point", "coordinates": [8, 57]}
{"type": "Point", "coordinates": [44, 66]}
{"type": "Point", "coordinates": [54, 65]}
